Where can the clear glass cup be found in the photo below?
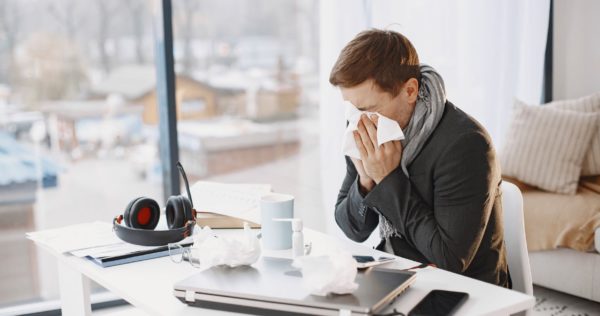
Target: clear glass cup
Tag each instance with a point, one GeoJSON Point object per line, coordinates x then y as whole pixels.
{"type": "Point", "coordinates": [178, 253]}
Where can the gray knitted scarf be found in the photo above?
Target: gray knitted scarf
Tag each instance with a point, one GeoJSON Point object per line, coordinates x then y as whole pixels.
{"type": "Point", "coordinates": [426, 116]}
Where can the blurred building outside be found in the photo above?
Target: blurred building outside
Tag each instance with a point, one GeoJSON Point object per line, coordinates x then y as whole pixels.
{"type": "Point", "coordinates": [79, 117]}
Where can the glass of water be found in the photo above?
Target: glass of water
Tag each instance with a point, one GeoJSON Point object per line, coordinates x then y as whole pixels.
{"type": "Point", "coordinates": [178, 253]}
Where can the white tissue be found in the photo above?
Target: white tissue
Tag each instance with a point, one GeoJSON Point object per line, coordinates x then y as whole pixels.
{"type": "Point", "coordinates": [232, 251]}
{"type": "Point", "coordinates": [332, 273]}
{"type": "Point", "coordinates": [387, 130]}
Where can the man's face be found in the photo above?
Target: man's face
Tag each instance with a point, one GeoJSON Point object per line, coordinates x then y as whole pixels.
{"type": "Point", "coordinates": [367, 96]}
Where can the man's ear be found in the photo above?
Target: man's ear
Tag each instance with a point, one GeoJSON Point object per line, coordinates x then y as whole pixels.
{"type": "Point", "coordinates": [411, 86]}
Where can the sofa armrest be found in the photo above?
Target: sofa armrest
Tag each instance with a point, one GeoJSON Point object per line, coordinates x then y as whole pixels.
{"type": "Point", "coordinates": [597, 239]}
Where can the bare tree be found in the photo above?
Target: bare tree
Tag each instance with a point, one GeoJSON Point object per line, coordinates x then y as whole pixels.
{"type": "Point", "coordinates": [106, 11]}
{"type": "Point", "coordinates": [56, 56]}
{"type": "Point", "coordinates": [188, 10]}
{"type": "Point", "coordinates": [10, 27]}
{"type": "Point", "coordinates": [138, 12]}
{"type": "Point", "coordinates": [51, 68]}
{"type": "Point", "coordinates": [66, 13]}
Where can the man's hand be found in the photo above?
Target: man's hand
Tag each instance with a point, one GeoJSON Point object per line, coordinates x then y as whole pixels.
{"type": "Point", "coordinates": [377, 161]}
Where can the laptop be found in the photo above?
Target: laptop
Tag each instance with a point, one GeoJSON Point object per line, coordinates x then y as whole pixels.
{"type": "Point", "coordinates": [273, 287]}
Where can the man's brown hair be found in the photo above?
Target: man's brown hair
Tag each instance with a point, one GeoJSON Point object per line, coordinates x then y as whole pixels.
{"type": "Point", "coordinates": [387, 57]}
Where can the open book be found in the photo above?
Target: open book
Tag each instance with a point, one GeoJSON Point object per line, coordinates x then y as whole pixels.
{"type": "Point", "coordinates": [222, 205]}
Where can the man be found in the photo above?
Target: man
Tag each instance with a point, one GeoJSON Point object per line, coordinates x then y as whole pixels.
{"type": "Point", "coordinates": [435, 194]}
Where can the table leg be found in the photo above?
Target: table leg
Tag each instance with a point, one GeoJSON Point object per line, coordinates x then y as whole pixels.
{"type": "Point", "coordinates": [74, 291]}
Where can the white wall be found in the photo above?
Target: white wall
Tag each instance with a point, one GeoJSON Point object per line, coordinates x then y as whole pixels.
{"type": "Point", "coordinates": [576, 48]}
{"type": "Point", "coordinates": [340, 21]}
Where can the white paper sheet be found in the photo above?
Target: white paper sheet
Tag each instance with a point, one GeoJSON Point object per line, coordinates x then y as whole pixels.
{"type": "Point", "coordinates": [76, 237]}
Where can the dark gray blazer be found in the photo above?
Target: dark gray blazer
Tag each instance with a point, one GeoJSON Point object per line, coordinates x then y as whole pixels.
{"type": "Point", "coordinates": [448, 212]}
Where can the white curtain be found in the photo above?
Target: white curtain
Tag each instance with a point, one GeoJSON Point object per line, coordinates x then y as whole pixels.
{"type": "Point", "coordinates": [488, 52]}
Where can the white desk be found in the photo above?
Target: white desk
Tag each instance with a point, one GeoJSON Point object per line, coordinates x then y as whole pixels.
{"type": "Point", "coordinates": [148, 285]}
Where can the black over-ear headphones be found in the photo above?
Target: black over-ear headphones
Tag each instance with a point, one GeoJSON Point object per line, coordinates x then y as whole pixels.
{"type": "Point", "coordinates": [142, 214]}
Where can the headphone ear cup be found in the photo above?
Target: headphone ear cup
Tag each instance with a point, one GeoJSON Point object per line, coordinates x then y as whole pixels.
{"type": "Point", "coordinates": [180, 212]}
{"type": "Point", "coordinates": [187, 206]}
{"type": "Point", "coordinates": [128, 210]}
{"type": "Point", "coordinates": [144, 214]}
{"type": "Point", "coordinates": [173, 212]}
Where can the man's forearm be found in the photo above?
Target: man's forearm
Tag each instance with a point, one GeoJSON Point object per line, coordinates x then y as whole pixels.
{"type": "Point", "coordinates": [365, 186]}
{"type": "Point", "coordinates": [352, 216]}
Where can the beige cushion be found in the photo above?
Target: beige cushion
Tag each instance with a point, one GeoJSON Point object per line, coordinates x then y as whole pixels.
{"type": "Point", "coordinates": [588, 104]}
{"type": "Point", "coordinates": [557, 220]}
{"type": "Point", "coordinates": [545, 146]}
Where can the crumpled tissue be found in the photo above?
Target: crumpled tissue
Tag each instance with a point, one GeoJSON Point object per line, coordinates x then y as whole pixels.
{"type": "Point", "coordinates": [233, 251]}
{"type": "Point", "coordinates": [332, 273]}
{"type": "Point", "coordinates": [387, 130]}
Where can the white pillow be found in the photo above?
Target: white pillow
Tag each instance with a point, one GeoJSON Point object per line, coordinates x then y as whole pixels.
{"type": "Point", "coordinates": [545, 146]}
{"type": "Point", "coordinates": [587, 104]}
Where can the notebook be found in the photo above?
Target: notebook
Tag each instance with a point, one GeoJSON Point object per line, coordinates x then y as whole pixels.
{"type": "Point", "coordinates": [106, 261]}
{"type": "Point", "coordinates": [273, 287]}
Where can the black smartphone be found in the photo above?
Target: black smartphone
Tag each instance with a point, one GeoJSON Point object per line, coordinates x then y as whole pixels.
{"type": "Point", "coordinates": [439, 303]}
{"type": "Point", "coordinates": [363, 262]}
{"type": "Point", "coordinates": [363, 259]}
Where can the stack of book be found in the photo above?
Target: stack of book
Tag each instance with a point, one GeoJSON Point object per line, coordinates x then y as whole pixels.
{"type": "Point", "coordinates": [223, 205]}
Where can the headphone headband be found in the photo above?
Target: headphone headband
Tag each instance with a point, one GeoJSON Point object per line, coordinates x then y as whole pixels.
{"type": "Point", "coordinates": [187, 185]}
{"type": "Point", "coordinates": [145, 237]}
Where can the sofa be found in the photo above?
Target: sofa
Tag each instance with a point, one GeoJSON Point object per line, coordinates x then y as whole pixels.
{"type": "Point", "coordinates": [563, 237]}
{"type": "Point", "coordinates": [552, 153]}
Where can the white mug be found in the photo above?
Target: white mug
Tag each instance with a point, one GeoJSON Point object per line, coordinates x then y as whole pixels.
{"type": "Point", "coordinates": [276, 235]}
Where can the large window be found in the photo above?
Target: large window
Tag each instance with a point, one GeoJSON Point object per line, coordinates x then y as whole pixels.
{"type": "Point", "coordinates": [73, 133]}
{"type": "Point", "coordinates": [247, 95]}
{"type": "Point", "coordinates": [79, 117]}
